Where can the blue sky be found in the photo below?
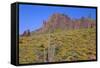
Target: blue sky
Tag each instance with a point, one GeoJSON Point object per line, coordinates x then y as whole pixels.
{"type": "Point", "coordinates": [31, 16]}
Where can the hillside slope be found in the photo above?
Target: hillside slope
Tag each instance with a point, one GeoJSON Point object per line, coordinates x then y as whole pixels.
{"type": "Point", "coordinates": [66, 45]}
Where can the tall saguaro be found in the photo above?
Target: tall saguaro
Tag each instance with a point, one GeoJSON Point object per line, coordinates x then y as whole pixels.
{"type": "Point", "coordinates": [51, 53]}
{"type": "Point", "coordinates": [50, 50]}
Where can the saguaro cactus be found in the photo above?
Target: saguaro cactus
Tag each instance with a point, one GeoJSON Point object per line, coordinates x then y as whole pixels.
{"type": "Point", "coordinates": [51, 53]}
{"type": "Point", "coordinates": [50, 50]}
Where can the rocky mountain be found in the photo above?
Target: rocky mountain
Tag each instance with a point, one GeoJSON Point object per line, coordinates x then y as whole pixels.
{"type": "Point", "coordinates": [57, 22]}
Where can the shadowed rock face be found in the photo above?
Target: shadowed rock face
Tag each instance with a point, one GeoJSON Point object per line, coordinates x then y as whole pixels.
{"type": "Point", "coordinates": [63, 22]}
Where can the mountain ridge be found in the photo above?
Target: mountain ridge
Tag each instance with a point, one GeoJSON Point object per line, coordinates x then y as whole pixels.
{"type": "Point", "coordinates": [58, 21]}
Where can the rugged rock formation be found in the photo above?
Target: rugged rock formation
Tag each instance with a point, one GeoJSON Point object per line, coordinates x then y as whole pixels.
{"type": "Point", "coordinates": [64, 22]}
{"type": "Point", "coordinates": [59, 21]}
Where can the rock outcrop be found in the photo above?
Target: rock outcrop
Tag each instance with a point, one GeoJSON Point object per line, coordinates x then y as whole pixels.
{"type": "Point", "coordinates": [64, 22]}
{"type": "Point", "coordinates": [26, 33]}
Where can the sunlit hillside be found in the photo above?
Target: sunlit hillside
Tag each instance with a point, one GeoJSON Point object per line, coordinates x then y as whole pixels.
{"type": "Point", "coordinates": [58, 46]}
